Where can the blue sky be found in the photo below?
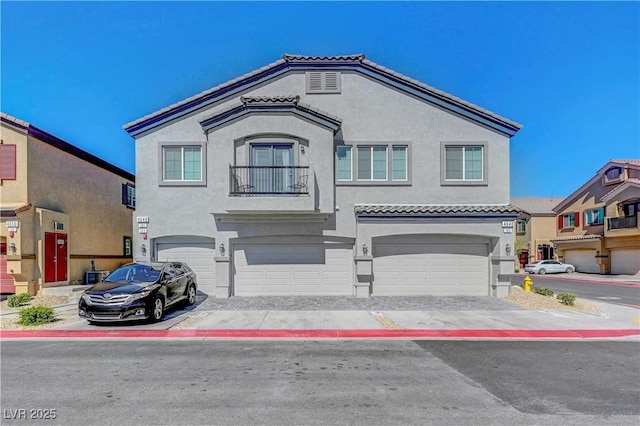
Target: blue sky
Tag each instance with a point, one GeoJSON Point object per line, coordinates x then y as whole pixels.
{"type": "Point", "coordinates": [568, 71]}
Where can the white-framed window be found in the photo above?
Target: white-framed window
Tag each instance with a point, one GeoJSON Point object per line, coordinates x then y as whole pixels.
{"type": "Point", "coordinates": [372, 163]}
{"type": "Point", "coordinates": [521, 226]}
{"type": "Point", "coordinates": [399, 163]}
{"type": "Point", "coordinates": [612, 175]}
{"type": "Point", "coordinates": [344, 163]}
{"type": "Point", "coordinates": [129, 195]}
{"type": "Point", "coordinates": [182, 163]}
{"type": "Point", "coordinates": [594, 216]}
{"type": "Point", "coordinates": [568, 220]}
{"type": "Point", "coordinates": [464, 163]}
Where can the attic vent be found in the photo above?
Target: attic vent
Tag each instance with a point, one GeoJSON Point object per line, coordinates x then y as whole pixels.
{"type": "Point", "coordinates": [323, 82]}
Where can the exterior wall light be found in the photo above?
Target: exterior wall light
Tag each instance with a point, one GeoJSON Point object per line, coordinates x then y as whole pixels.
{"type": "Point", "coordinates": [143, 250]}
{"type": "Point", "coordinates": [365, 249]}
{"type": "Point", "coordinates": [222, 249]}
{"type": "Point", "coordinates": [13, 248]}
{"type": "Point", "coordinates": [507, 249]}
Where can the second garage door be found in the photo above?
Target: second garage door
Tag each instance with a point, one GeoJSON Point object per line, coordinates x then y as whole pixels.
{"type": "Point", "coordinates": [199, 256]}
{"type": "Point", "coordinates": [582, 260]}
{"type": "Point", "coordinates": [430, 269]}
{"type": "Point", "coordinates": [626, 262]}
{"type": "Point", "coordinates": [293, 270]}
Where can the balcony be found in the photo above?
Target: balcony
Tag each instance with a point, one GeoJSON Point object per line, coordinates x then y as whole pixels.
{"type": "Point", "coordinates": [268, 181]}
{"type": "Point", "coordinates": [623, 222]}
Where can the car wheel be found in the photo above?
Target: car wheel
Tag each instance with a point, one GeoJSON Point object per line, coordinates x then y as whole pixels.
{"type": "Point", "coordinates": [542, 271]}
{"type": "Point", "coordinates": [191, 295]}
{"type": "Point", "coordinates": [569, 270]}
{"type": "Point", "coordinates": [157, 309]}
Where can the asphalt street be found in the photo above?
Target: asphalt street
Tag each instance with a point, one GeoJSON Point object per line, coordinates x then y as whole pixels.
{"type": "Point", "coordinates": [195, 382]}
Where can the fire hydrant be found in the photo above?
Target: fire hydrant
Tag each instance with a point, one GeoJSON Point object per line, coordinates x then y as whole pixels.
{"type": "Point", "coordinates": [527, 284]}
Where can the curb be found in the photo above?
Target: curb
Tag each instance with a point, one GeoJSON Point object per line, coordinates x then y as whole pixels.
{"type": "Point", "coordinates": [620, 283]}
{"type": "Point", "coordinates": [319, 334]}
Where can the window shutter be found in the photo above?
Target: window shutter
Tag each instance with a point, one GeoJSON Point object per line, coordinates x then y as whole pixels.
{"type": "Point", "coordinates": [8, 162]}
{"type": "Point", "coordinates": [315, 81]}
{"type": "Point", "coordinates": [576, 219]}
{"type": "Point", "coordinates": [331, 81]}
{"type": "Point", "coordinates": [560, 222]}
{"type": "Point", "coordinates": [124, 194]}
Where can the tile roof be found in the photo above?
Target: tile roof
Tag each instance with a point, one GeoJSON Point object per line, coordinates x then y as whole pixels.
{"type": "Point", "coordinates": [634, 162]}
{"type": "Point", "coordinates": [358, 61]}
{"type": "Point", "coordinates": [578, 237]}
{"type": "Point", "coordinates": [432, 210]}
{"type": "Point", "coordinates": [537, 205]}
{"type": "Point", "coordinates": [289, 103]}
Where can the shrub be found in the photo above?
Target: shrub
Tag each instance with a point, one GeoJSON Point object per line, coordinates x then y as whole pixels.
{"type": "Point", "coordinates": [36, 315]}
{"type": "Point", "coordinates": [567, 298]}
{"type": "Point", "coordinates": [16, 300]}
{"type": "Point", "coordinates": [543, 291]}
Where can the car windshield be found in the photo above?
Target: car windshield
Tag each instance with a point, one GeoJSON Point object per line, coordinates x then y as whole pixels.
{"type": "Point", "coordinates": [135, 272]}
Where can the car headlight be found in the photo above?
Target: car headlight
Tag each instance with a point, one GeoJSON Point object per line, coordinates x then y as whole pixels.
{"type": "Point", "coordinates": [135, 296]}
{"type": "Point", "coordinates": [86, 299]}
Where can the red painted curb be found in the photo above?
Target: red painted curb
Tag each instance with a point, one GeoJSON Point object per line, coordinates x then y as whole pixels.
{"type": "Point", "coordinates": [319, 334]}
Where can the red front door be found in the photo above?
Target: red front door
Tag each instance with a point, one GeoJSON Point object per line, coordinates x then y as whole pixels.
{"type": "Point", "coordinates": [55, 257]}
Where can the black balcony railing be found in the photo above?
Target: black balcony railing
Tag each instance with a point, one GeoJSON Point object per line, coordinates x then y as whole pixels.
{"type": "Point", "coordinates": [623, 222]}
{"type": "Point", "coordinates": [268, 180]}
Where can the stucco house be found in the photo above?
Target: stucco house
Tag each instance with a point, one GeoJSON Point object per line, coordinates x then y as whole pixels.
{"type": "Point", "coordinates": [327, 176]}
{"type": "Point", "coordinates": [61, 209]}
{"type": "Point", "coordinates": [535, 227]}
{"type": "Point", "coordinates": [597, 225]}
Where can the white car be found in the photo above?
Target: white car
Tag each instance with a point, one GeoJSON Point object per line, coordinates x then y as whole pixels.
{"type": "Point", "coordinates": [549, 267]}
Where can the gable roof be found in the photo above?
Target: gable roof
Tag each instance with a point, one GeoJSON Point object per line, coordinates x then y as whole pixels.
{"type": "Point", "coordinates": [633, 182]}
{"type": "Point", "coordinates": [62, 145]}
{"type": "Point", "coordinates": [355, 63]}
{"type": "Point", "coordinates": [633, 163]}
{"type": "Point", "coordinates": [269, 104]}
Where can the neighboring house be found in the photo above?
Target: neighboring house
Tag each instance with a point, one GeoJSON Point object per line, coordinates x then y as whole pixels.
{"type": "Point", "coordinates": [535, 228]}
{"type": "Point", "coordinates": [327, 176]}
{"type": "Point", "coordinates": [597, 225]}
{"type": "Point", "coordinates": [61, 209]}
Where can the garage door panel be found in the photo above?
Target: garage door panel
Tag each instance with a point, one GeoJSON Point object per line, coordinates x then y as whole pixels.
{"type": "Point", "coordinates": [431, 269]}
{"type": "Point", "coordinates": [199, 256]}
{"type": "Point", "coordinates": [582, 260]}
{"type": "Point", "coordinates": [625, 261]}
{"type": "Point", "coordinates": [296, 269]}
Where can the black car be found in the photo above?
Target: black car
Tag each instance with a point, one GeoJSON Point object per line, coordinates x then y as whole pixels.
{"type": "Point", "coordinates": [139, 291]}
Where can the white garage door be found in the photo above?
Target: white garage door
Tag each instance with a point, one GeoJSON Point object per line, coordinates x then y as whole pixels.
{"type": "Point", "coordinates": [582, 260]}
{"type": "Point", "coordinates": [199, 256]}
{"type": "Point", "coordinates": [293, 270]}
{"type": "Point", "coordinates": [625, 262]}
{"type": "Point", "coordinates": [430, 269]}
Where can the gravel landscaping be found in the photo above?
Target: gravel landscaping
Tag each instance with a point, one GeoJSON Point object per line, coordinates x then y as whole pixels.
{"type": "Point", "coordinates": [534, 301]}
{"type": "Point", "coordinates": [9, 323]}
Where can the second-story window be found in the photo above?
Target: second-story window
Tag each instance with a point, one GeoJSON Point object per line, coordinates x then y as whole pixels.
{"type": "Point", "coordinates": [129, 195]}
{"type": "Point", "coordinates": [344, 163]}
{"type": "Point", "coordinates": [372, 164]}
{"type": "Point", "coordinates": [182, 163]}
{"type": "Point", "coordinates": [464, 163]}
{"type": "Point", "coordinates": [594, 217]}
{"type": "Point", "coordinates": [521, 227]}
{"type": "Point", "coordinates": [568, 220]}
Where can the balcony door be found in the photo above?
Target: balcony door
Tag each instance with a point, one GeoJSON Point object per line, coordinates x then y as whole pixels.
{"type": "Point", "coordinates": [272, 168]}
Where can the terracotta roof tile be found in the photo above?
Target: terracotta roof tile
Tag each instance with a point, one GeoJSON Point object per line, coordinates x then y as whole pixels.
{"type": "Point", "coordinates": [431, 210]}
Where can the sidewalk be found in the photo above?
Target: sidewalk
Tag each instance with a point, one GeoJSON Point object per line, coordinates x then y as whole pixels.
{"type": "Point", "coordinates": [346, 317]}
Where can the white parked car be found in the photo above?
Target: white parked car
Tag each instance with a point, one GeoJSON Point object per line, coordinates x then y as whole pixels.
{"type": "Point", "coordinates": [549, 267]}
